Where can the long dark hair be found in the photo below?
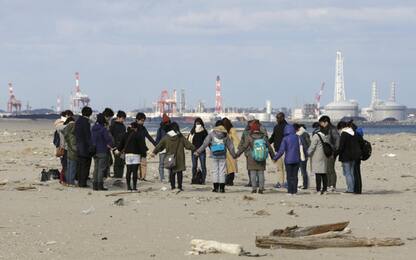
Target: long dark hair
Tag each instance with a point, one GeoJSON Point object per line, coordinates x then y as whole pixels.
{"type": "Point", "coordinates": [197, 120]}
{"type": "Point", "coordinates": [227, 124]}
{"type": "Point", "coordinates": [175, 127]}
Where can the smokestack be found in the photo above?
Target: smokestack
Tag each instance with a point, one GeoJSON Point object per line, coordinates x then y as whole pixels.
{"type": "Point", "coordinates": [339, 94]}
{"type": "Point", "coordinates": [393, 92]}
{"type": "Point", "coordinates": [77, 87]}
{"type": "Point", "coordinates": [218, 98]}
{"type": "Point", "coordinates": [374, 93]}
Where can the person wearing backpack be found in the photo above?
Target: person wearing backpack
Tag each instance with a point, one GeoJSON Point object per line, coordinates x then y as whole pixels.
{"type": "Point", "coordinates": [290, 147]}
{"type": "Point", "coordinates": [219, 143]}
{"type": "Point", "coordinates": [132, 145]}
{"type": "Point", "coordinates": [103, 142]}
{"type": "Point", "coordinates": [365, 147]}
{"type": "Point", "coordinates": [349, 152]}
{"type": "Point", "coordinates": [71, 144]}
{"type": "Point", "coordinates": [196, 137]}
{"type": "Point", "coordinates": [257, 144]}
{"type": "Point", "coordinates": [161, 132]}
{"type": "Point", "coordinates": [175, 144]}
{"type": "Point", "coordinates": [232, 166]}
{"type": "Point", "coordinates": [319, 160]}
{"type": "Point", "coordinates": [306, 140]}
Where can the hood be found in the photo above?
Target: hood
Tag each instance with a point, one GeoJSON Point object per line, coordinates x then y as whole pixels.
{"type": "Point", "coordinates": [60, 121]}
{"type": "Point", "coordinates": [289, 130]}
{"type": "Point", "coordinates": [97, 127]}
{"type": "Point", "coordinates": [220, 131]}
{"type": "Point", "coordinates": [348, 130]}
{"type": "Point", "coordinates": [301, 131]}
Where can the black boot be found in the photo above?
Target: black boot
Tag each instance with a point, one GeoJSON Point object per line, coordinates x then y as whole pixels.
{"type": "Point", "coordinates": [128, 186]}
{"type": "Point", "coordinates": [134, 185]}
{"type": "Point", "coordinates": [215, 187]}
{"type": "Point", "coordinates": [222, 187]}
{"type": "Point", "coordinates": [101, 186]}
{"type": "Point", "coordinates": [94, 186]}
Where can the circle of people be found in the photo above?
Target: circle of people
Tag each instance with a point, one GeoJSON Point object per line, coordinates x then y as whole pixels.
{"type": "Point", "coordinates": [290, 147]}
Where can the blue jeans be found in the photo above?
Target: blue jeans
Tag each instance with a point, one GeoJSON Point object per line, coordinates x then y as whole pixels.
{"type": "Point", "coordinates": [203, 161]}
{"type": "Point", "coordinates": [348, 169]}
{"type": "Point", "coordinates": [161, 166]}
{"type": "Point", "coordinates": [304, 172]}
{"type": "Point", "coordinates": [292, 177]}
{"type": "Point", "coordinates": [71, 172]}
{"type": "Point", "coordinates": [100, 166]}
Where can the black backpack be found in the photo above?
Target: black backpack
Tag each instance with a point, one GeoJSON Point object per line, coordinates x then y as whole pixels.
{"type": "Point", "coordinates": [56, 139]}
{"type": "Point", "coordinates": [328, 151]}
{"type": "Point", "coordinates": [366, 150]}
{"type": "Point", "coordinates": [198, 179]}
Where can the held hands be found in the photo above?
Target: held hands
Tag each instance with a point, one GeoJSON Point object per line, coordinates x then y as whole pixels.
{"type": "Point", "coordinates": [116, 152]}
{"type": "Point", "coordinates": [196, 154]}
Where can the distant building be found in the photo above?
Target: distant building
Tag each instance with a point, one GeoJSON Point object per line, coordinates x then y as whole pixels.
{"type": "Point", "coordinates": [309, 111]}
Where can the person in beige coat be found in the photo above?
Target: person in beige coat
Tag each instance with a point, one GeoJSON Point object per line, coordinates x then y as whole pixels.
{"type": "Point", "coordinates": [232, 165]}
{"type": "Point", "coordinates": [318, 160]}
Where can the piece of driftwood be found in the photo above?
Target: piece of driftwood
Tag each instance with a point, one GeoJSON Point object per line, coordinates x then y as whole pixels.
{"type": "Point", "coordinates": [333, 234]}
{"type": "Point", "coordinates": [23, 188]}
{"type": "Point", "coordinates": [114, 194]}
{"type": "Point", "coordinates": [296, 231]}
{"type": "Point", "coordinates": [201, 247]}
{"type": "Point", "coordinates": [309, 242]}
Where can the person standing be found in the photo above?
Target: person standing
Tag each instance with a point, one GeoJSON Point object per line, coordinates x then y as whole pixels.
{"type": "Point", "coordinates": [319, 161]}
{"type": "Point", "coordinates": [357, 170]}
{"type": "Point", "coordinates": [219, 143]}
{"type": "Point", "coordinates": [306, 140]}
{"type": "Point", "coordinates": [118, 130]}
{"type": "Point", "coordinates": [59, 142]}
{"type": "Point", "coordinates": [161, 132]}
{"type": "Point", "coordinates": [276, 140]}
{"type": "Point", "coordinates": [132, 145]}
{"type": "Point", "coordinates": [71, 144]}
{"type": "Point", "coordinates": [84, 146]}
{"type": "Point", "coordinates": [175, 144]}
{"type": "Point", "coordinates": [140, 119]}
{"type": "Point", "coordinates": [196, 137]}
{"type": "Point", "coordinates": [232, 166]}
{"type": "Point", "coordinates": [290, 148]}
{"type": "Point", "coordinates": [257, 144]}
{"type": "Point", "coordinates": [103, 143]}
{"type": "Point", "coordinates": [334, 139]}
{"type": "Point", "coordinates": [349, 152]}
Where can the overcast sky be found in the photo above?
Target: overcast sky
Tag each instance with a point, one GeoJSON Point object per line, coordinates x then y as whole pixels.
{"type": "Point", "coordinates": [128, 51]}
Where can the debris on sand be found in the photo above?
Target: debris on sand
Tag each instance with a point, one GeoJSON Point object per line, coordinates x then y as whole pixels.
{"type": "Point", "coordinates": [49, 243]}
{"type": "Point", "coordinates": [119, 202]}
{"type": "Point", "coordinates": [88, 211]}
{"type": "Point", "coordinates": [391, 155]}
{"type": "Point", "coordinates": [262, 213]}
{"type": "Point", "coordinates": [292, 213]}
{"type": "Point", "coordinates": [4, 182]}
{"type": "Point", "coordinates": [24, 188]}
{"type": "Point", "coordinates": [248, 198]}
{"type": "Point", "coordinates": [202, 247]}
{"type": "Point", "coordinates": [163, 188]}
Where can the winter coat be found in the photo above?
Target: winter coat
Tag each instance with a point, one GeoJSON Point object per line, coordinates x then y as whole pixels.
{"type": "Point", "coordinates": [101, 138]}
{"type": "Point", "coordinates": [71, 141]}
{"type": "Point", "coordinates": [349, 146]}
{"type": "Point", "coordinates": [133, 142]}
{"type": "Point", "coordinates": [318, 159]}
{"type": "Point", "coordinates": [221, 133]}
{"type": "Point", "coordinates": [117, 130]}
{"type": "Point", "coordinates": [278, 135]}
{"type": "Point", "coordinates": [290, 146]}
{"type": "Point", "coordinates": [175, 144]}
{"type": "Point", "coordinates": [83, 136]}
{"type": "Point", "coordinates": [59, 127]}
{"type": "Point", "coordinates": [247, 146]}
{"type": "Point", "coordinates": [306, 138]}
{"type": "Point", "coordinates": [161, 132]}
{"type": "Point", "coordinates": [334, 137]}
{"type": "Point", "coordinates": [232, 166]}
{"type": "Point", "coordinates": [245, 135]}
{"type": "Point", "coordinates": [197, 139]}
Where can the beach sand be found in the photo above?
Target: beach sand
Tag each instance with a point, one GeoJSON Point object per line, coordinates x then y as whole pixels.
{"type": "Point", "coordinates": [49, 223]}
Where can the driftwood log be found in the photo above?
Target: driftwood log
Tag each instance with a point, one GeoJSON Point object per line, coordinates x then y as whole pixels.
{"type": "Point", "coordinates": [296, 231]}
{"type": "Point", "coordinates": [316, 242]}
{"type": "Point", "coordinates": [320, 236]}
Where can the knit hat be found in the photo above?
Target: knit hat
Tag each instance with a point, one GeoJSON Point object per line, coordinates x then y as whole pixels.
{"type": "Point", "coordinates": [165, 119]}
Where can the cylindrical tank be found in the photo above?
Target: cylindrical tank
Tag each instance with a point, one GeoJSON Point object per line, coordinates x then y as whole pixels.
{"type": "Point", "coordinates": [338, 110]}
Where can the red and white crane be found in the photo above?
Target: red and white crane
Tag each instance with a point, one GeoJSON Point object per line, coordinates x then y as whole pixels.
{"type": "Point", "coordinates": [167, 104]}
{"type": "Point", "coordinates": [79, 100]}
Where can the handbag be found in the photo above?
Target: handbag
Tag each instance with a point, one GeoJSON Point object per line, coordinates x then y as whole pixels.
{"type": "Point", "coordinates": [328, 151]}
{"type": "Point", "coordinates": [170, 159]}
{"type": "Point", "coordinates": [60, 151]}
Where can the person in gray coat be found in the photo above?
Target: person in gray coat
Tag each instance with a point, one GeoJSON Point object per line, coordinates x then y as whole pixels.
{"type": "Point", "coordinates": [334, 139]}
{"type": "Point", "coordinates": [319, 161]}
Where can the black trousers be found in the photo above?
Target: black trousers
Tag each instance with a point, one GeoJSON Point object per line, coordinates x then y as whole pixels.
{"type": "Point", "coordinates": [321, 178]}
{"type": "Point", "coordinates": [118, 166]}
{"type": "Point", "coordinates": [229, 179]}
{"type": "Point", "coordinates": [83, 170]}
{"type": "Point", "coordinates": [357, 177]}
{"type": "Point", "coordinates": [172, 179]}
{"type": "Point", "coordinates": [132, 170]}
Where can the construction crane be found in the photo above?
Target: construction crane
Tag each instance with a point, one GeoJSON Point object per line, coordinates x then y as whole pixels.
{"type": "Point", "coordinates": [13, 103]}
{"type": "Point", "coordinates": [318, 100]}
{"type": "Point", "coordinates": [79, 100]}
{"type": "Point", "coordinates": [167, 104]}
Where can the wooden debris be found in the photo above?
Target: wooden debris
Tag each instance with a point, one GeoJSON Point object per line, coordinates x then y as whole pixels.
{"type": "Point", "coordinates": [316, 242]}
{"type": "Point", "coordinates": [262, 213]}
{"type": "Point", "coordinates": [114, 194]}
{"type": "Point", "coordinates": [296, 231]}
{"type": "Point", "coordinates": [24, 188]}
{"type": "Point", "coordinates": [248, 198]}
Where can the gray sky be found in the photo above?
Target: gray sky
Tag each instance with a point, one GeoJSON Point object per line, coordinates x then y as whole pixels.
{"type": "Point", "coordinates": [128, 51]}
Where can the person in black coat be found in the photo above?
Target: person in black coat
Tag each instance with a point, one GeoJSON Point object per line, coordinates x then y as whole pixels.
{"type": "Point", "coordinates": [196, 137]}
{"type": "Point", "coordinates": [349, 152]}
{"type": "Point", "coordinates": [84, 146]}
{"type": "Point", "coordinates": [140, 119]}
{"type": "Point", "coordinates": [117, 130]}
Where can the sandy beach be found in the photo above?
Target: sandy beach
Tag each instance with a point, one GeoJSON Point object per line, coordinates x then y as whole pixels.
{"type": "Point", "coordinates": [56, 222]}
